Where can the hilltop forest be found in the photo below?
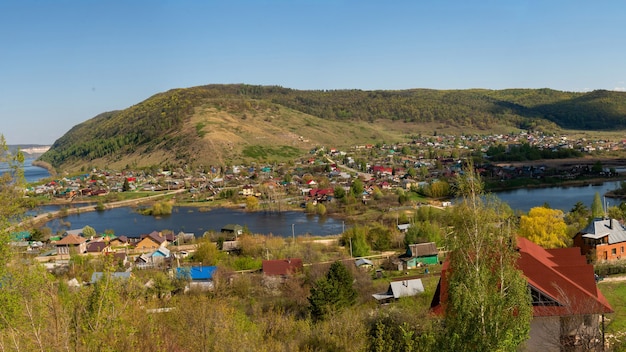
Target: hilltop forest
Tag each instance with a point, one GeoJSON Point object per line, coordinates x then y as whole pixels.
{"type": "Point", "coordinates": [222, 124]}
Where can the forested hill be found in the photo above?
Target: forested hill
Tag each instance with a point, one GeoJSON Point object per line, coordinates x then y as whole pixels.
{"type": "Point", "coordinates": [226, 123]}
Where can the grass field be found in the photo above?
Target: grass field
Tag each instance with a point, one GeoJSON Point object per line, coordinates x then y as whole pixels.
{"type": "Point", "coordinates": [615, 293]}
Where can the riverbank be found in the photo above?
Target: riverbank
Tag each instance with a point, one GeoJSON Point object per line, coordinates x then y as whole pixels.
{"type": "Point", "coordinates": [45, 217]}
{"type": "Point", "coordinates": [493, 187]}
{"type": "Point", "coordinates": [45, 165]}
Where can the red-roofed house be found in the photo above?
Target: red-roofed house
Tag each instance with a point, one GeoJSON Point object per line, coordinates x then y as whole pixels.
{"type": "Point", "coordinates": [568, 308]}
{"type": "Point", "coordinates": [282, 267]}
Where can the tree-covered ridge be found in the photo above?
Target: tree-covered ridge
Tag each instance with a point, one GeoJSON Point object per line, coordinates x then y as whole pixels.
{"type": "Point", "coordinates": [149, 124]}
{"type": "Point", "coordinates": [162, 122]}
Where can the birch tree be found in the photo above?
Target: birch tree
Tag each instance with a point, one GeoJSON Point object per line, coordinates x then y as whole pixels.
{"type": "Point", "coordinates": [488, 306]}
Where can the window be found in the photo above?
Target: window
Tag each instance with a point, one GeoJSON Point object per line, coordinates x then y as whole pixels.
{"type": "Point", "coordinates": [622, 249]}
{"type": "Point", "coordinates": [613, 251]}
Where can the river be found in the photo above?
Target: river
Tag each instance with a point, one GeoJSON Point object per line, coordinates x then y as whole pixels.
{"type": "Point", "coordinates": [31, 173]}
{"type": "Point", "coordinates": [125, 221]}
{"type": "Point", "coordinates": [562, 198]}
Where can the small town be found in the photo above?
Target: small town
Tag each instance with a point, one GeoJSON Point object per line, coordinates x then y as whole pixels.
{"type": "Point", "coordinates": [399, 178]}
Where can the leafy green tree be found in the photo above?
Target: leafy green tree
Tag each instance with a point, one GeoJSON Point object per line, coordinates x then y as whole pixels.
{"type": "Point", "coordinates": [332, 292]}
{"type": "Point", "coordinates": [356, 189]}
{"type": "Point", "coordinates": [126, 185]}
{"type": "Point", "coordinates": [339, 192]}
{"type": "Point", "coordinates": [89, 232]}
{"type": "Point", "coordinates": [355, 238]}
{"type": "Point", "coordinates": [206, 252]}
{"type": "Point", "coordinates": [597, 210]}
{"type": "Point", "coordinates": [488, 306]}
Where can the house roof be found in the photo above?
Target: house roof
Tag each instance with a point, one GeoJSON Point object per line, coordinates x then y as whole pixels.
{"type": "Point", "coordinates": [599, 228]}
{"type": "Point", "coordinates": [403, 227]}
{"type": "Point", "coordinates": [161, 252]}
{"type": "Point", "coordinates": [71, 239]}
{"type": "Point", "coordinates": [232, 228]}
{"type": "Point", "coordinates": [423, 249]}
{"type": "Point", "coordinates": [562, 276]}
{"type": "Point", "coordinates": [77, 232]}
{"type": "Point", "coordinates": [363, 261]}
{"type": "Point", "coordinates": [155, 237]}
{"type": "Point", "coordinates": [196, 272]}
{"type": "Point", "coordinates": [96, 246]}
{"type": "Point", "coordinates": [282, 266]}
{"type": "Point", "coordinates": [96, 276]}
{"type": "Point", "coordinates": [406, 288]}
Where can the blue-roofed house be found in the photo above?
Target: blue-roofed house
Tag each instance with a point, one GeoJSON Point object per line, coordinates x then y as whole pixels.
{"type": "Point", "coordinates": [200, 277]}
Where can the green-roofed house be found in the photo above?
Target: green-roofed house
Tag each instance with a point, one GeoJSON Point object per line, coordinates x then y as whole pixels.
{"type": "Point", "coordinates": [421, 253]}
{"type": "Point", "coordinates": [237, 230]}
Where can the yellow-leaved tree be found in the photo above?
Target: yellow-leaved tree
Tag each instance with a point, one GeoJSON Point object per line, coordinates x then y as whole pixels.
{"type": "Point", "coordinates": [545, 227]}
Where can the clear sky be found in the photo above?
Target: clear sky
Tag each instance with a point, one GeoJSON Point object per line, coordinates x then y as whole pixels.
{"type": "Point", "coordinates": [65, 61]}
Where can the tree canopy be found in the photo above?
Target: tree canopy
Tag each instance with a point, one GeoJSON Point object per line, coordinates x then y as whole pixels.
{"type": "Point", "coordinates": [545, 227]}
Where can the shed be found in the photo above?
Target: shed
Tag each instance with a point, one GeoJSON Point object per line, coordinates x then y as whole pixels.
{"type": "Point", "coordinates": [400, 288]}
{"type": "Point", "coordinates": [421, 253]}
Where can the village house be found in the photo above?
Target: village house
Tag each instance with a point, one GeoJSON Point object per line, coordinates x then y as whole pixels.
{"type": "Point", "coordinates": [568, 308]}
{"type": "Point", "coordinates": [199, 277]}
{"type": "Point", "coordinates": [151, 241]}
{"type": "Point", "coordinates": [398, 288]}
{"type": "Point", "coordinates": [282, 267]}
{"type": "Point", "coordinates": [420, 254]}
{"type": "Point", "coordinates": [602, 240]}
{"type": "Point", "coordinates": [71, 244]}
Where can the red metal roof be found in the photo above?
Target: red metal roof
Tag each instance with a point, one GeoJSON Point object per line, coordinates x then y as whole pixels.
{"type": "Point", "coordinates": [282, 266]}
{"type": "Point", "coordinates": [561, 274]}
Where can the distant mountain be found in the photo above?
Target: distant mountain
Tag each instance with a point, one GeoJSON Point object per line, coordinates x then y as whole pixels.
{"type": "Point", "coordinates": [225, 124]}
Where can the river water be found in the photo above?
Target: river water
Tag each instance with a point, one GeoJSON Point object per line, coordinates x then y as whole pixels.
{"type": "Point", "coordinates": [31, 173]}
{"type": "Point", "coordinates": [125, 221]}
{"type": "Point", "coordinates": [562, 198]}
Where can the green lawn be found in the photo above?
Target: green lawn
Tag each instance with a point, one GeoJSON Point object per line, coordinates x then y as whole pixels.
{"type": "Point", "coordinates": [615, 293]}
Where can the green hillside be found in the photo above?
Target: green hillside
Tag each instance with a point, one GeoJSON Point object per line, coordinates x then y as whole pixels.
{"type": "Point", "coordinates": [223, 124]}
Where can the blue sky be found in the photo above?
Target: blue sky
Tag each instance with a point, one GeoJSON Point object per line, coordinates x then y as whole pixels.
{"type": "Point", "coordinates": [63, 62]}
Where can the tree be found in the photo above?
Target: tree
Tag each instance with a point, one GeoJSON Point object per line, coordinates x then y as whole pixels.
{"type": "Point", "coordinates": [597, 210]}
{"type": "Point", "coordinates": [252, 203]}
{"type": "Point", "coordinates": [356, 189]}
{"type": "Point", "coordinates": [488, 306]}
{"type": "Point", "coordinates": [126, 185]}
{"type": "Point", "coordinates": [89, 232]}
{"type": "Point", "coordinates": [332, 292]}
{"type": "Point", "coordinates": [356, 239]}
{"type": "Point", "coordinates": [206, 252]}
{"type": "Point", "coordinates": [339, 192]}
{"type": "Point", "coordinates": [545, 227]}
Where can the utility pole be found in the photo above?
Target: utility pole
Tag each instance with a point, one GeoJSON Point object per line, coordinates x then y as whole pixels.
{"type": "Point", "coordinates": [350, 247]}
